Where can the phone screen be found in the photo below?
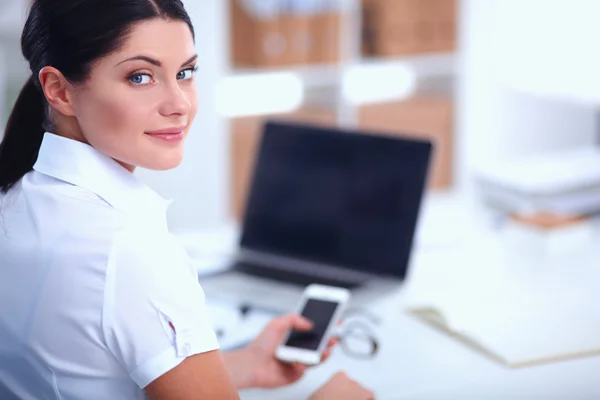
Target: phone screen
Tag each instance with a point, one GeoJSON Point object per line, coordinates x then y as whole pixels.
{"type": "Point", "coordinates": [319, 312]}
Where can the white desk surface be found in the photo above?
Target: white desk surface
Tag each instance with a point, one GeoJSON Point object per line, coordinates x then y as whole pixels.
{"type": "Point", "coordinates": [417, 362]}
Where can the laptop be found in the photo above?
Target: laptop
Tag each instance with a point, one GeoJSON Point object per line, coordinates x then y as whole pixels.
{"type": "Point", "coordinates": [328, 206]}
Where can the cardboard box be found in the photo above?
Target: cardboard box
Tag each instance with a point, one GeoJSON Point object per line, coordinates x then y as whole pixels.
{"type": "Point", "coordinates": [326, 38]}
{"type": "Point", "coordinates": [245, 136]}
{"type": "Point", "coordinates": [424, 28]}
{"type": "Point", "coordinates": [242, 36]}
{"type": "Point", "coordinates": [393, 28]}
{"type": "Point", "coordinates": [297, 32]}
{"type": "Point", "coordinates": [390, 27]}
{"type": "Point", "coordinates": [269, 43]}
{"type": "Point", "coordinates": [283, 40]}
{"type": "Point", "coordinates": [421, 117]}
{"type": "Point", "coordinates": [257, 42]}
{"type": "Point", "coordinates": [446, 25]}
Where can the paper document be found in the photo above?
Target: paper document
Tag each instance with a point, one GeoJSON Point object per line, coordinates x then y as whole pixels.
{"type": "Point", "coordinates": [546, 174]}
{"type": "Point", "coordinates": [519, 308]}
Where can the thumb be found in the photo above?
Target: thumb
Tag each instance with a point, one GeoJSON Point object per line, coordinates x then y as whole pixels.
{"type": "Point", "coordinates": [296, 322]}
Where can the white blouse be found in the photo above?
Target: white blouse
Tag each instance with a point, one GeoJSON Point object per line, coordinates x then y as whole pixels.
{"type": "Point", "coordinates": [97, 299]}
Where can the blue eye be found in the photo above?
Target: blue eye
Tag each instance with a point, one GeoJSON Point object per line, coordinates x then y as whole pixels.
{"type": "Point", "coordinates": [186, 74]}
{"type": "Point", "coordinates": [140, 79]}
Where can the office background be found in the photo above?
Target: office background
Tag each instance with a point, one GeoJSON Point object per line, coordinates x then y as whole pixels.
{"type": "Point", "coordinates": [518, 85]}
{"type": "Point", "coordinates": [489, 81]}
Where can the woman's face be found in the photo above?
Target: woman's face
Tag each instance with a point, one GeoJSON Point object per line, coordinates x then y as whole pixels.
{"type": "Point", "coordinates": [138, 103]}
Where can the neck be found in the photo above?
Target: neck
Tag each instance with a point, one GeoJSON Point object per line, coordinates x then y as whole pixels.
{"type": "Point", "coordinates": [69, 127]}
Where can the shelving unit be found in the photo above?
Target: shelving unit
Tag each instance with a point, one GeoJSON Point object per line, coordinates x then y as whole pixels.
{"type": "Point", "coordinates": [208, 152]}
{"type": "Point", "coordinates": [325, 79]}
{"type": "Point", "coordinates": [426, 66]}
{"type": "Point", "coordinates": [327, 91]}
{"type": "Point", "coordinates": [312, 76]}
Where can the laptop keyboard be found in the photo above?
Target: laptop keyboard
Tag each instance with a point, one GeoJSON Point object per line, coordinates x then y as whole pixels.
{"type": "Point", "coordinates": [290, 276]}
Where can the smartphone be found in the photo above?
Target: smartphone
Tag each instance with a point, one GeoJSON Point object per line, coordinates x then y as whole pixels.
{"type": "Point", "coordinates": [323, 306]}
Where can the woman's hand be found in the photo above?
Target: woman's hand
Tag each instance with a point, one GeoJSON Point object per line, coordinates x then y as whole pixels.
{"type": "Point", "coordinates": [342, 387]}
{"type": "Point", "coordinates": [256, 365]}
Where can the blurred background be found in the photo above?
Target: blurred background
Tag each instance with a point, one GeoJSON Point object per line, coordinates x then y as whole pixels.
{"type": "Point", "coordinates": [486, 80]}
{"type": "Point", "coordinates": [508, 90]}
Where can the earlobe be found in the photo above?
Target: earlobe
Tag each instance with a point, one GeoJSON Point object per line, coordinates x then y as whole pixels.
{"type": "Point", "coordinates": [57, 90]}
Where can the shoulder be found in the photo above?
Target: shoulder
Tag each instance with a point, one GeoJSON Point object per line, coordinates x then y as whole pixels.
{"type": "Point", "coordinates": [41, 190]}
{"type": "Point", "coordinates": [147, 250]}
{"type": "Point", "coordinates": [146, 264]}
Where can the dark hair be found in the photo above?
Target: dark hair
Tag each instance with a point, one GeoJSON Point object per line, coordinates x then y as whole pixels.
{"type": "Point", "coordinates": [68, 35]}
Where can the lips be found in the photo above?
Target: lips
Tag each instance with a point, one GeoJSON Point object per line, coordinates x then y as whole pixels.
{"type": "Point", "coordinates": [169, 134]}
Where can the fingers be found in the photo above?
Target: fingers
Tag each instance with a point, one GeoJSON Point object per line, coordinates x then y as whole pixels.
{"type": "Point", "coordinates": [293, 321]}
{"type": "Point", "coordinates": [326, 355]}
{"type": "Point", "coordinates": [340, 375]}
{"type": "Point", "coordinates": [327, 352]}
{"type": "Point", "coordinates": [294, 371]}
{"type": "Point", "coordinates": [301, 323]}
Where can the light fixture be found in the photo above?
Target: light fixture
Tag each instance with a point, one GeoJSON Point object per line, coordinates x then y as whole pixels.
{"type": "Point", "coordinates": [258, 94]}
{"type": "Point", "coordinates": [373, 83]}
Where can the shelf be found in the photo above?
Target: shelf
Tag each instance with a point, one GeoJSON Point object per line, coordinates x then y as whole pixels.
{"type": "Point", "coordinates": [369, 80]}
{"type": "Point", "coordinates": [313, 76]}
{"type": "Point", "coordinates": [310, 75]}
{"type": "Point", "coordinates": [425, 66]}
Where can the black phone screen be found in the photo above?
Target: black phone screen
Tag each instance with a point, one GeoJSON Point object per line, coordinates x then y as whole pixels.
{"type": "Point", "coordinates": [319, 312]}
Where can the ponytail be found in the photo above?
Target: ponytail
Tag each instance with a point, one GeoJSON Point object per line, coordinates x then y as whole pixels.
{"type": "Point", "coordinates": [23, 136]}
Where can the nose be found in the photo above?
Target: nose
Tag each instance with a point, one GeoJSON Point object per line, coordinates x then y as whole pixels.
{"type": "Point", "coordinates": [176, 102]}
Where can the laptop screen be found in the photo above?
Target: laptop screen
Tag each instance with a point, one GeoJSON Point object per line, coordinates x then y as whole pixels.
{"type": "Point", "coordinates": [342, 198]}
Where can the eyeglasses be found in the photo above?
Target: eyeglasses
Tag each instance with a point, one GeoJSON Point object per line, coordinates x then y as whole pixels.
{"type": "Point", "coordinates": [357, 337]}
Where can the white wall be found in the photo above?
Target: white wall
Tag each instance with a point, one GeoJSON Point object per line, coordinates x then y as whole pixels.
{"type": "Point", "coordinates": [200, 186]}
{"type": "Point", "coordinates": [13, 69]}
{"type": "Point", "coordinates": [496, 117]}
{"type": "Point", "coordinates": [3, 88]}
{"type": "Point", "coordinates": [561, 47]}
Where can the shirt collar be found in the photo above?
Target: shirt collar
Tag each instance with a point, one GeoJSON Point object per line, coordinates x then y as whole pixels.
{"type": "Point", "coordinates": [82, 165]}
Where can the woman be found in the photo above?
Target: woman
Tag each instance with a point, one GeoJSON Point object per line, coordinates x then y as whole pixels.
{"type": "Point", "coordinates": [97, 300]}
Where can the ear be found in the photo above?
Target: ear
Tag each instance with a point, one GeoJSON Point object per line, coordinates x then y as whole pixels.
{"type": "Point", "coordinates": [58, 90]}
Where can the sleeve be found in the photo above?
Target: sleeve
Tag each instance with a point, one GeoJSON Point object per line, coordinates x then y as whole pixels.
{"type": "Point", "coordinates": [154, 308]}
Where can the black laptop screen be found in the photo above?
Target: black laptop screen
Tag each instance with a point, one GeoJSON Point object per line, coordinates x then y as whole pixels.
{"type": "Point", "coordinates": [339, 198]}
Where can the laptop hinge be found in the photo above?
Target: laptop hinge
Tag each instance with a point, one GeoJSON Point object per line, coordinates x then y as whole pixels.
{"type": "Point", "coordinates": [304, 267]}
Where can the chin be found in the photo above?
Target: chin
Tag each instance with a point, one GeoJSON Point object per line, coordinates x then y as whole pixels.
{"type": "Point", "coordinates": [164, 162]}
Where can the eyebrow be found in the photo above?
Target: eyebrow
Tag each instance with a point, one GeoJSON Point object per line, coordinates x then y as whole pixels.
{"type": "Point", "coordinates": [156, 62]}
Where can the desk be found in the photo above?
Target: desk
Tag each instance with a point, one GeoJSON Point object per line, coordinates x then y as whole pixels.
{"type": "Point", "coordinates": [419, 363]}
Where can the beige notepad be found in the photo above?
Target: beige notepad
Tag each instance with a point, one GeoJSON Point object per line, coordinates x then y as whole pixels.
{"type": "Point", "coordinates": [519, 348]}
{"type": "Point", "coordinates": [517, 308]}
